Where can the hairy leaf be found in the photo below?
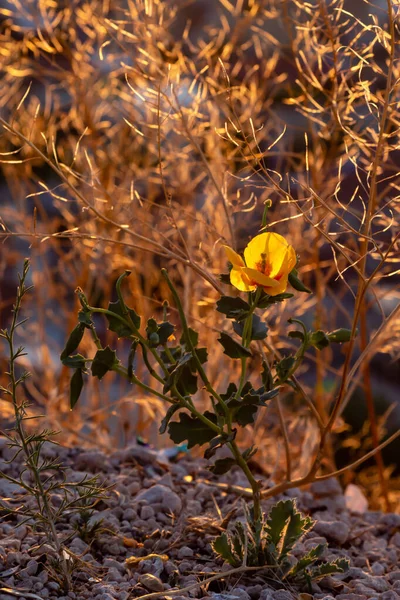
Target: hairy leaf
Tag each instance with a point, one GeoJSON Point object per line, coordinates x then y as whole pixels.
{"type": "Point", "coordinates": [170, 413]}
{"type": "Point", "coordinates": [76, 361]}
{"type": "Point", "coordinates": [297, 284]}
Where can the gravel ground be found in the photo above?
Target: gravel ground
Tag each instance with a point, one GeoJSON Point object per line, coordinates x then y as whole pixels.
{"type": "Point", "coordinates": [167, 510]}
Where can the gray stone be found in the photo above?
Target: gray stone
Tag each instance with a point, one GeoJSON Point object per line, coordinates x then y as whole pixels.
{"type": "Point", "coordinates": [170, 501]}
{"type": "Point", "coordinates": [327, 487]}
{"type": "Point", "coordinates": [146, 513]}
{"type": "Point", "coordinates": [185, 552]}
{"type": "Point", "coordinates": [151, 582]}
{"type": "Point", "coordinates": [336, 531]}
{"type": "Point", "coordinates": [378, 584]}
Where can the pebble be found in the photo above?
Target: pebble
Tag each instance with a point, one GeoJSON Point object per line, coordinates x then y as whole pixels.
{"type": "Point", "coordinates": [336, 531]}
{"type": "Point", "coordinates": [185, 552]}
{"type": "Point", "coordinates": [170, 500]}
{"type": "Point", "coordinates": [151, 582]}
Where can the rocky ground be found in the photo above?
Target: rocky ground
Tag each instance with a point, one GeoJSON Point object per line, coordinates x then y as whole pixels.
{"type": "Point", "coordinates": [162, 516]}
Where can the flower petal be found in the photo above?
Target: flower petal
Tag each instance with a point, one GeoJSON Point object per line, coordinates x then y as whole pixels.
{"type": "Point", "coordinates": [283, 283]}
{"type": "Point", "coordinates": [259, 278]}
{"type": "Point", "coordinates": [240, 280]}
{"type": "Point", "coordinates": [233, 257]}
{"type": "Point", "coordinates": [273, 245]}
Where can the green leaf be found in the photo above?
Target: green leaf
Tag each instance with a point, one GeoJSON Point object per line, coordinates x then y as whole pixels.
{"type": "Point", "coordinates": [222, 466]}
{"type": "Point", "coordinates": [232, 348]}
{"type": "Point", "coordinates": [306, 560]}
{"type": "Point", "coordinates": [76, 385]}
{"type": "Point", "coordinates": [259, 330]}
{"type": "Point", "coordinates": [285, 527]}
{"type": "Point", "coordinates": [296, 335]}
{"type": "Point", "coordinates": [192, 429]}
{"type": "Point", "coordinates": [266, 300]}
{"type": "Point", "coordinates": [339, 336]}
{"type": "Point", "coordinates": [114, 324]}
{"type": "Point", "coordinates": [296, 283]}
{"type": "Point", "coordinates": [223, 548]}
{"type": "Point", "coordinates": [103, 361]}
{"type": "Point", "coordinates": [233, 308]}
{"type": "Point", "coordinates": [77, 361]}
{"type": "Point", "coordinates": [158, 333]}
{"type": "Point", "coordinates": [283, 367]}
{"type": "Point", "coordinates": [181, 375]}
{"type": "Point", "coordinates": [318, 339]}
{"type": "Point", "coordinates": [170, 413]}
{"type": "Point", "coordinates": [218, 442]}
{"type": "Point", "coordinates": [266, 377]}
{"type": "Point", "coordinates": [84, 317]}
{"type": "Point", "coordinates": [73, 341]}
{"type": "Point", "coordinates": [340, 565]}
{"type": "Point", "coordinates": [194, 338]}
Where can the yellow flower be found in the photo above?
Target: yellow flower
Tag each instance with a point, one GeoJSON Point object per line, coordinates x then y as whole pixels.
{"type": "Point", "coordinates": [268, 260]}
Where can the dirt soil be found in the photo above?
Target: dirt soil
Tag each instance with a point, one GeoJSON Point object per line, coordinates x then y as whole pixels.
{"type": "Point", "coordinates": [162, 516]}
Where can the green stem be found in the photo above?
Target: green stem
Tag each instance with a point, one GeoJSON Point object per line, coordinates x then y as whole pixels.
{"type": "Point", "coordinates": [189, 343]}
{"type": "Point", "coordinates": [246, 340]}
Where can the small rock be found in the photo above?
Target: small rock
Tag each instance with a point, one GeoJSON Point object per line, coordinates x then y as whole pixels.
{"type": "Point", "coordinates": [395, 540]}
{"type": "Point", "coordinates": [378, 584]}
{"type": "Point", "coordinates": [389, 595]}
{"type": "Point", "coordinates": [185, 552]}
{"type": "Point", "coordinates": [337, 531]}
{"type": "Point", "coordinates": [282, 595]}
{"type": "Point", "coordinates": [152, 583]}
{"type": "Point", "coordinates": [146, 513]}
{"type": "Point", "coordinates": [170, 501]}
{"type": "Point", "coordinates": [351, 597]}
{"type": "Point", "coordinates": [394, 576]}
{"type": "Point", "coordinates": [355, 499]}
{"type": "Point", "coordinates": [327, 487]}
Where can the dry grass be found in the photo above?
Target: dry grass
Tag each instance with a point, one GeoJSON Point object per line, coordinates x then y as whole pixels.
{"type": "Point", "coordinates": [142, 134]}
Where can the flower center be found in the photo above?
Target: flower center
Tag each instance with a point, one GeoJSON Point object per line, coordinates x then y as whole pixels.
{"type": "Point", "coordinates": [263, 266]}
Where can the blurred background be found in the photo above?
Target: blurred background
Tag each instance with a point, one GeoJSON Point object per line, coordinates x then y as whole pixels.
{"type": "Point", "coordinates": [144, 134]}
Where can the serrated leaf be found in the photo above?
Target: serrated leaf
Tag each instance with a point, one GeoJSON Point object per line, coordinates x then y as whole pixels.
{"type": "Point", "coordinates": [306, 560]}
{"type": "Point", "coordinates": [232, 348]}
{"type": "Point", "coordinates": [340, 565]}
{"type": "Point", "coordinates": [73, 341]}
{"type": "Point", "coordinates": [76, 385]}
{"type": "Point", "coordinates": [170, 413]}
{"type": "Point", "coordinates": [297, 284]}
{"type": "Point", "coordinates": [223, 548]}
{"type": "Point", "coordinates": [114, 324]}
{"type": "Point", "coordinates": [77, 361]}
{"type": "Point", "coordinates": [259, 330]}
{"type": "Point", "coordinates": [339, 336]}
{"type": "Point", "coordinates": [233, 308]}
{"type": "Point", "coordinates": [192, 429]}
{"type": "Point", "coordinates": [286, 526]}
{"type": "Point", "coordinates": [103, 362]}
